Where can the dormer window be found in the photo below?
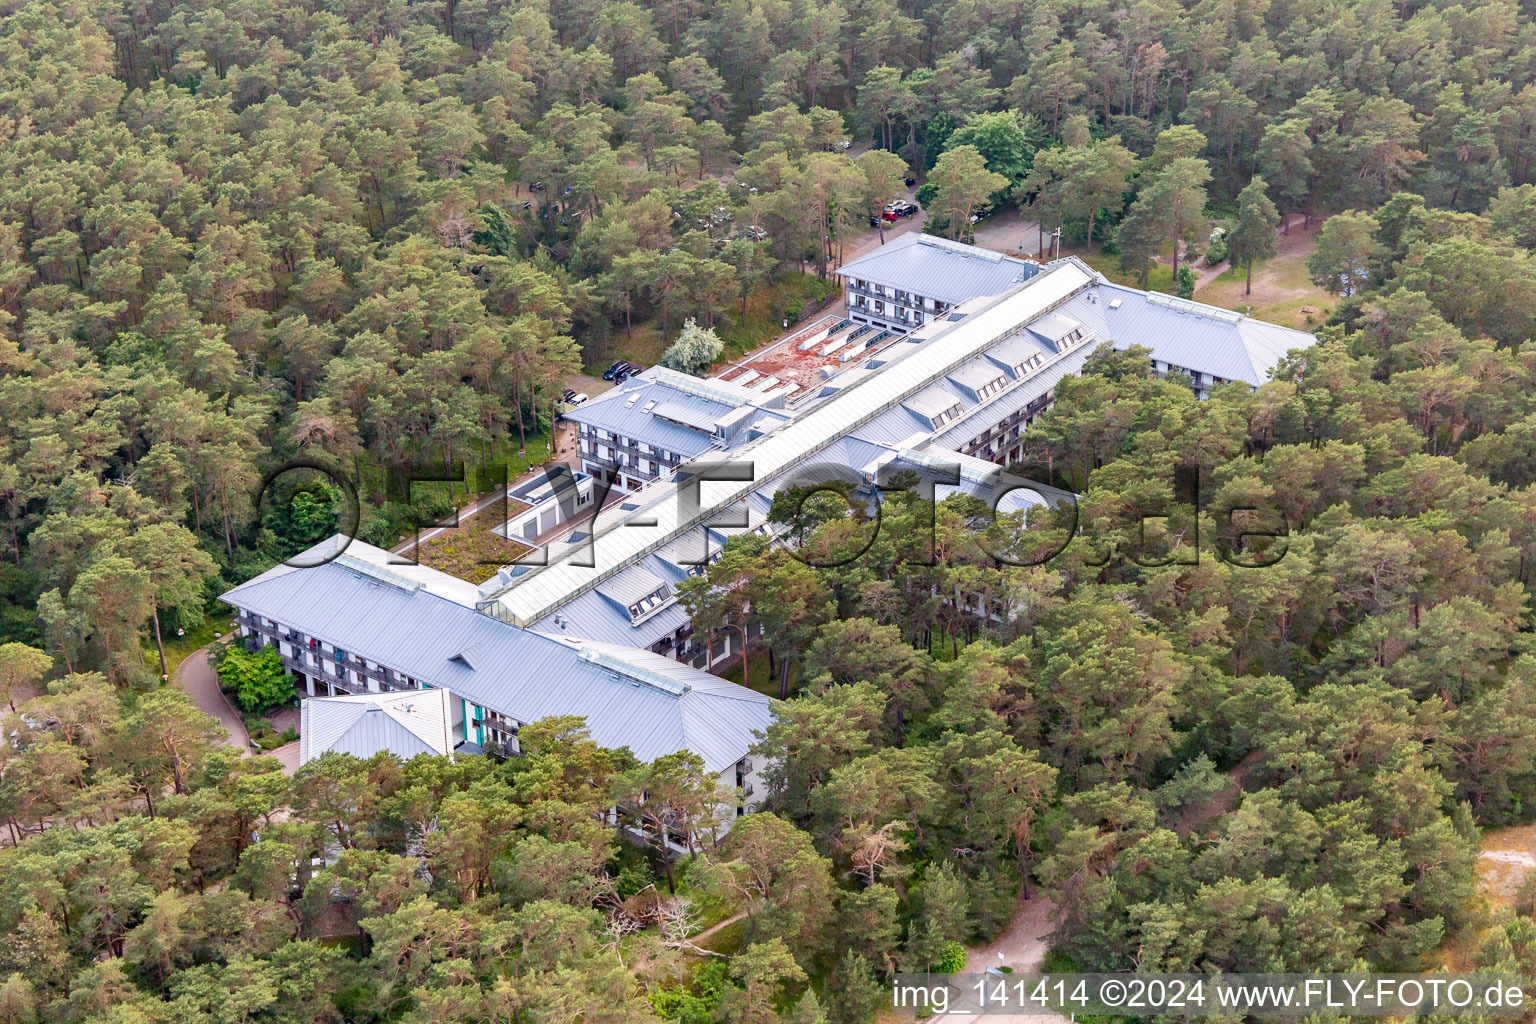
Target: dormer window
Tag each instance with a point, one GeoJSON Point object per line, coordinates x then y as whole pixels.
{"type": "Point", "coordinates": [647, 604]}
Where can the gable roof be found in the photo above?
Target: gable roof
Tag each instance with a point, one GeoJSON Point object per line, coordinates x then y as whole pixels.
{"type": "Point", "coordinates": [1186, 333]}
{"type": "Point", "coordinates": [936, 267]}
{"type": "Point", "coordinates": [408, 723]}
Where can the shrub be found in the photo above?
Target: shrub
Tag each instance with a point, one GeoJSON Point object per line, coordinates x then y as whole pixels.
{"type": "Point", "coordinates": [694, 349]}
{"type": "Point", "coordinates": [256, 680]}
{"type": "Point", "coordinates": [951, 960]}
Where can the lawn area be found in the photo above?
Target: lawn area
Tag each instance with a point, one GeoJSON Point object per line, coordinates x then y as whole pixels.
{"type": "Point", "coordinates": [178, 648]}
{"type": "Point", "coordinates": [1281, 286]}
{"type": "Point", "coordinates": [763, 681]}
{"type": "Point", "coordinates": [766, 309]}
{"type": "Point", "coordinates": [1108, 264]}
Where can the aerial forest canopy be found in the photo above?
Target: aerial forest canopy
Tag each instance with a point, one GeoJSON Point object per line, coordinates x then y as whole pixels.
{"type": "Point", "coordinates": [232, 234]}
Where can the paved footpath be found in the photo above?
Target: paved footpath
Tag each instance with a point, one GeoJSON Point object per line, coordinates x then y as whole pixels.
{"type": "Point", "coordinates": [201, 682]}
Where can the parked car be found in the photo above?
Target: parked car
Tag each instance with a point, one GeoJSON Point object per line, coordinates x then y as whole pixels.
{"type": "Point", "coordinates": [756, 233]}
{"type": "Point", "coordinates": [889, 213]}
{"type": "Point", "coordinates": [627, 371]}
{"type": "Point", "coordinates": [874, 222]}
{"type": "Point", "coordinates": [569, 394]}
{"type": "Point", "coordinates": [909, 181]}
{"type": "Point", "coordinates": [578, 399]}
{"type": "Point", "coordinates": [981, 214]}
{"type": "Point", "coordinates": [613, 371]}
{"type": "Point", "coordinates": [535, 186]}
{"type": "Point", "coordinates": [904, 208]}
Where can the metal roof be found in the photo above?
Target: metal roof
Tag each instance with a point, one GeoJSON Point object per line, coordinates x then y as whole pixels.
{"type": "Point", "coordinates": [595, 617]}
{"type": "Point", "coordinates": [524, 674]}
{"type": "Point", "coordinates": [1011, 399]}
{"type": "Point", "coordinates": [1188, 334]}
{"type": "Point", "coordinates": [933, 402]}
{"type": "Point", "coordinates": [1054, 326]}
{"type": "Point", "coordinates": [408, 723]}
{"type": "Point", "coordinates": [631, 585]}
{"type": "Point", "coordinates": [700, 416]}
{"type": "Point", "coordinates": [1017, 352]}
{"type": "Point", "coordinates": [978, 374]}
{"type": "Point", "coordinates": [653, 407]}
{"type": "Point", "coordinates": [936, 267]}
{"type": "Point", "coordinates": [621, 538]}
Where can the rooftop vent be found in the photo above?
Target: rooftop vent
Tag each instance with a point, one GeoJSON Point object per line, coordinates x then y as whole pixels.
{"type": "Point", "coordinates": [1115, 303]}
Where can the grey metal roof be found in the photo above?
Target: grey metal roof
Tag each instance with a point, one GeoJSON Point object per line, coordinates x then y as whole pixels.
{"type": "Point", "coordinates": [1055, 326]}
{"type": "Point", "coordinates": [1188, 334]}
{"type": "Point", "coordinates": [631, 585]}
{"type": "Point", "coordinates": [407, 723]}
{"type": "Point", "coordinates": [978, 374]}
{"type": "Point", "coordinates": [382, 566]}
{"type": "Point", "coordinates": [1018, 351]}
{"type": "Point", "coordinates": [594, 617]}
{"type": "Point", "coordinates": [698, 414]}
{"type": "Point", "coordinates": [938, 268]}
{"type": "Point", "coordinates": [642, 407]}
{"type": "Point", "coordinates": [933, 401]}
{"type": "Point", "coordinates": [527, 675]}
{"type": "Point", "coordinates": [1009, 400]}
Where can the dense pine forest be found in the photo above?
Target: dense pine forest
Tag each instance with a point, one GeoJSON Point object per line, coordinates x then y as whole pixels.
{"type": "Point", "coordinates": [372, 233]}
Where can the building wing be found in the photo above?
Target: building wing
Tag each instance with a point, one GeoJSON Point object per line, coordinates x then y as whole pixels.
{"type": "Point", "coordinates": [931, 266]}
{"type": "Point", "coordinates": [521, 674]}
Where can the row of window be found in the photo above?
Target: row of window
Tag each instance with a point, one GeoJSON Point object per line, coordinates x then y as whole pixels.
{"type": "Point", "coordinates": [591, 437]}
{"type": "Point", "coordinates": [331, 660]}
{"type": "Point", "coordinates": [900, 297]}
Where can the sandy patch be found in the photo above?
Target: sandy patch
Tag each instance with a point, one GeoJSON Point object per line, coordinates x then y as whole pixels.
{"type": "Point", "coordinates": [1508, 856]}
